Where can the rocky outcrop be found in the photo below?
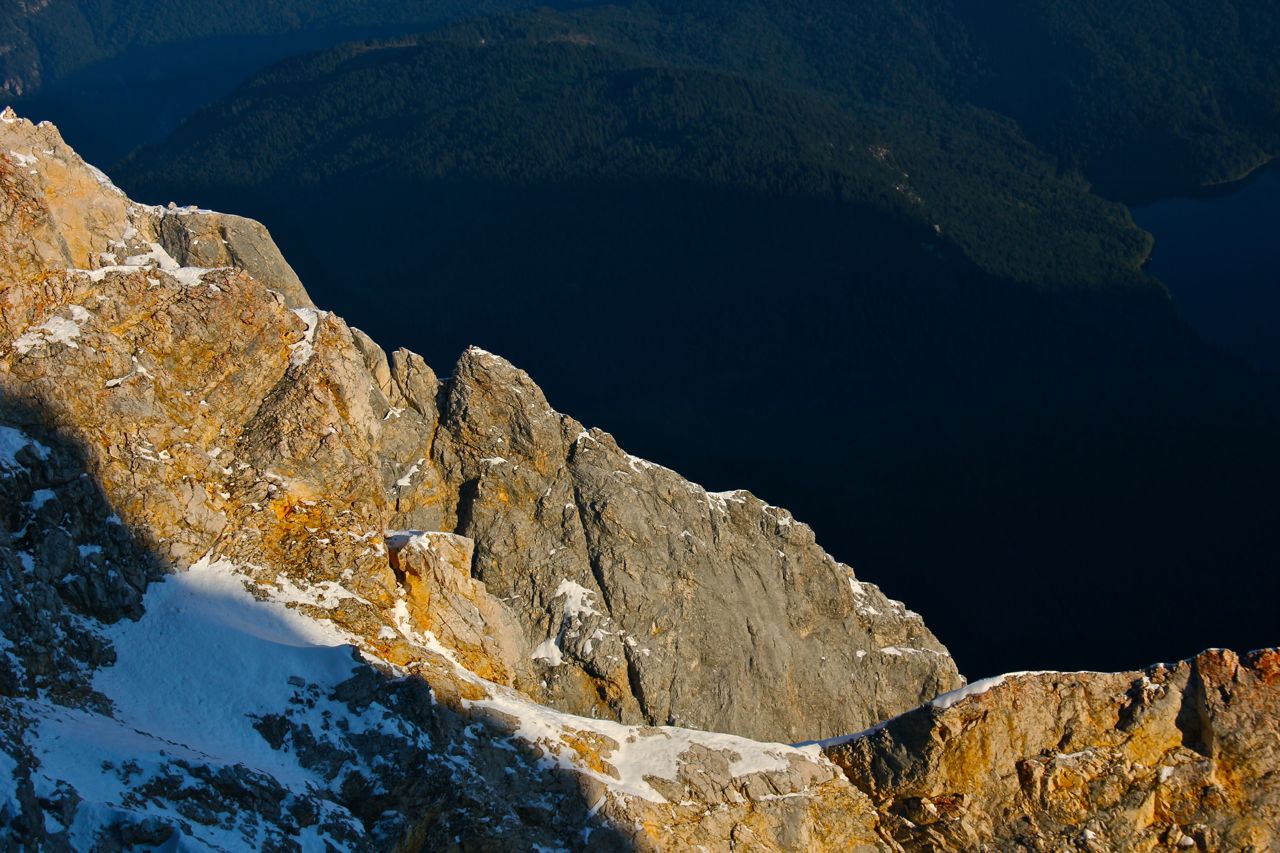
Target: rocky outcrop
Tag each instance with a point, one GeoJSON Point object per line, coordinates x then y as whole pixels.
{"type": "Point", "coordinates": [667, 598]}
{"type": "Point", "coordinates": [1180, 757]}
{"type": "Point", "coordinates": [230, 424]}
{"type": "Point", "coordinates": [241, 420]}
{"type": "Point", "coordinates": [444, 599]}
{"type": "Point", "coordinates": [262, 585]}
{"type": "Point", "coordinates": [200, 712]}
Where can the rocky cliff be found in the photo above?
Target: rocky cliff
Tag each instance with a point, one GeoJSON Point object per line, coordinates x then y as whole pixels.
{"type": "Point", "coordinates": [264, 585]}
{"type": "Point", "coordinates": [1181, 756]}
{"type": "Point", "coordinates": [224, 414]}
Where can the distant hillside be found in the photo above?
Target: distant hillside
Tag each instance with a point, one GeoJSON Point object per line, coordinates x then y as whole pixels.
{"type": "Point", "coordinates": [1140, 97]}
{"type": "Point", "coordinates": [539, 102]}
{"type": "Point", "coordinates": [42, 41]}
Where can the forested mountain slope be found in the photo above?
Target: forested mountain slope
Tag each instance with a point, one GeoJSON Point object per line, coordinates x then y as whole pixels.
{"type": "Point", "coordinates": [1139, 97]}
{"type": "Point", "coordinates": [546, 106]}
{"type": "Point", "coordinates": [42, 41]}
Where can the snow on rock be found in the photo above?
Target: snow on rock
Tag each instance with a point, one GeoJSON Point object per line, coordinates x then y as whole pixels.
{"type": "Point", "coordinates": [12, 442]}
{"type": "Point", "coordinates": [107, 761]}
{"type": "Point", "coordinates": [720, 500]}
{"type": "Point", "coordinates": [8, 784]}
{"type": "Point", "coordinates": [326, 595]}
{"type": "Point", "coordinates": [161, 259]}
{"type": "Point", "coordinates": [407, 480]}
{"type": "Point", "coordinates": [575, 599]}
{"type": "Point", "coordinates": [207, 657]}
{"type": "Point", "coordinates": [154, 259]}
{"type": "Point", "coordinates": [976, 688]}
{"type": "Point", "coordinates": [55, 330]}
{"type": "Point", "coordinates": [642, 755]}
{"type": "Point", "coordinates": [940, 703]}
{"type": "Point", "coordinates": [576, 607]}
{"type": "Point", "coordinates": [548, 651]}
{"type": "Point", "coordinates": [102, 179]}
{"type": "Point", "coordinates": [193, 680]}
{"type": "Point", "coordinates": [305, 348]}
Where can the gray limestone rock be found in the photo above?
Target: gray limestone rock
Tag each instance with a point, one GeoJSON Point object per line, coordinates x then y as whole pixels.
{"type": "Point", "coordinates": [1181, 756]}
{"type": "Point", "coordinates": [202, 238]}
{"type": "Point", "coordinates": [681, 607]}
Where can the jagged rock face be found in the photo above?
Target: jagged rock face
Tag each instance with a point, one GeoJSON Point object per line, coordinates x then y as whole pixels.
{"type": "Point", "coordinates": [234, 428]}
{"type": "Point", "coordinates": [381, 575]}
{"type": "Point", "coordinates": [613, 560]}
{"type": "Point", "coordinates": [58, 213]}
{"type": "Point", "coordinates": [261, 426]}
{"type": "Point", "coordinates": [116, 733]}
{"type": "Point", "coordinates": [1177, 757]}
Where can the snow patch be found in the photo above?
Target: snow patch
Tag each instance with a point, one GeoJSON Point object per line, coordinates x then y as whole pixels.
{"type": "Point", "coordinates": [12, 441]}
{"type": "Point", "coordinates": [977, 688]}
{"type": "Point", "coordinates": [548, 651]}
{"type": "Point", "coordinates": [158, 257]}
{"type": "Point", "coordinates": [305, 348]}
{"type": "Point", "coordinates": [407, 480]}
{"type": "Point", "coordinates": [106, 760]}
{"type": "Point", "coordinates": [55, 330]}
{"type": "Point", "coordinates": [642, 753]}
{"type": "Point", "coordinates": [575, 599]}
{"type": "Point", "coordinates": [206, 657]}
{"type": "Point", "coordinates": [9, 804]}
{"type": "Point", "coordinates": [720, 500]}
{"type": "Point", "coordinates": [102, 179]}
{"type": "Point", "coordinates": [327, 595]}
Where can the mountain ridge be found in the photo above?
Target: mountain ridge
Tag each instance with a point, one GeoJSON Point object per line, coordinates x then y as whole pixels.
{"type": "Point", "coordinates": [159, 415]}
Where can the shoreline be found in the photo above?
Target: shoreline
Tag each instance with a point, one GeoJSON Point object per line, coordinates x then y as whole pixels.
{"type": "Point", "coordinates": [1215, 189]}
{"type": "Point", "coordinates": [1172, 191]}
{"type": "Point", "coordinates": [1268, 161]}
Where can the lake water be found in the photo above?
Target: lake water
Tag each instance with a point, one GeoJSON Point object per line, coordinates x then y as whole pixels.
{"type": "Point", "coordinates": [1219, 253]}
